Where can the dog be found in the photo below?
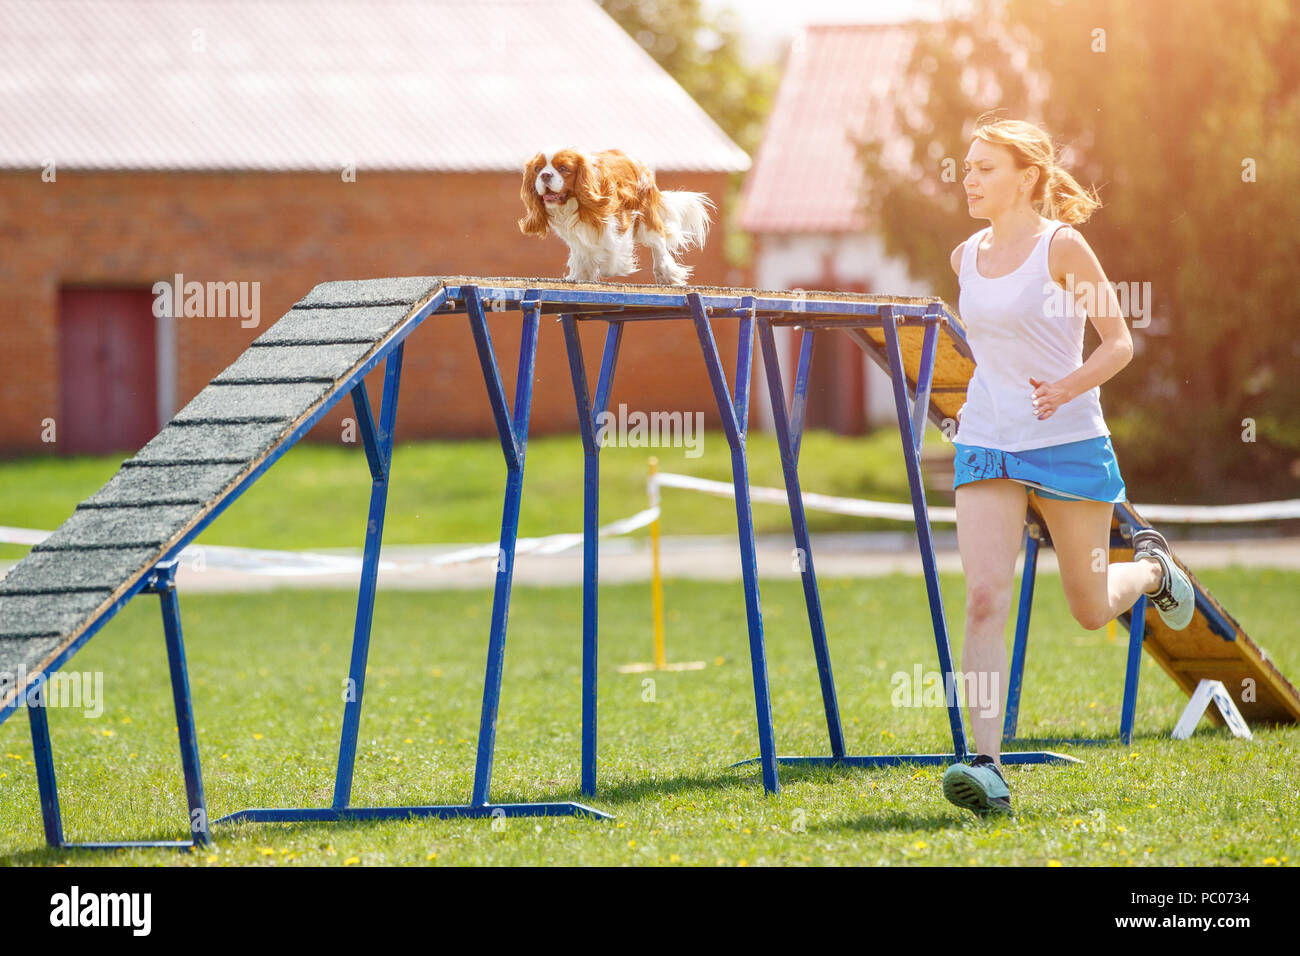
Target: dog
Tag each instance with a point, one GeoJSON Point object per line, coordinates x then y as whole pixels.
{"type": "Point", "coordinates": [602, 204]}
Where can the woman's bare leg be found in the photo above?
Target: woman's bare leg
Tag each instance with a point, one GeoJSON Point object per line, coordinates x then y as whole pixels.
{"type": "Point", "coordinates": [1097, 591]}
{"type": "Point", "coordinates": [990, 529]}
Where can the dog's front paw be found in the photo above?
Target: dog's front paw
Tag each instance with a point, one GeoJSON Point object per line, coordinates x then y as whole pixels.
{"type": "Point", "coordinates": [583, 272]}
{"type": "Point", "coordinates": [671, 274]}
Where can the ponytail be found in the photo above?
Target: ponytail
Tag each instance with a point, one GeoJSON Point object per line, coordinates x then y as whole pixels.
{"type": "Point", "coordinates": [1064, 199]}
{"type": "Point", "coordinates": [1056, 195]}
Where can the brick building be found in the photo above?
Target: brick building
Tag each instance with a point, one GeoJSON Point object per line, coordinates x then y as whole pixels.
{"type": "Point", "coordinates": [284, 143]}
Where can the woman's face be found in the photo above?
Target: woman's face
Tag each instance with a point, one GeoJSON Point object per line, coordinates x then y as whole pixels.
{"type": "Point", "coordinates": [992, 183]}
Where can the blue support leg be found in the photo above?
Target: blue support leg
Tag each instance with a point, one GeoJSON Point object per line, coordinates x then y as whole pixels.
{"type": "Point", "coordinates": [734, 422]}
{"type": "Point", "coordinates": [789, 435]}
{"type": "Point", "coordinates": [161, 581]}
{"type": "Point", "coordinates": [185, 728]}
{"type": "Point", "coordinates": [43, 754]}
{"type": "Point", "coordinates": [1017, 670]}
{"type": "Point", "coordinates": [378, 444]}
{"type": "Point", "coordinates": [912, 440]}
{"type": "Point", "coordinates": [588, 415]}
{"type": "Point", "coordinates": [1137, 632]}
{"type": "Point", "coordinates": [513, 432]}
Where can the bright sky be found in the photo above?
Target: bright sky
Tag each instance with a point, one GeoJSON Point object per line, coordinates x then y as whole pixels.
{"type": "Point", "coordinates": [768, 25]}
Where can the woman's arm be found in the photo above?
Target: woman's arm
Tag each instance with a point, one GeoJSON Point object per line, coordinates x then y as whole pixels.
{"type": "Point", "coordinates": [1072, 262]}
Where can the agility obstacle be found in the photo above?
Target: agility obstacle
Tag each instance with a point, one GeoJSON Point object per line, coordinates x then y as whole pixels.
{"type": "Point", "coordinates": [125, 539]}
{"type": "Point", "coordinates": [929, 366]}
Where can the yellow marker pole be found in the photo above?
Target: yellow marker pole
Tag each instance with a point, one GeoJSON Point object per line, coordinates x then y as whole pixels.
{"type": "Point", "coordinates": [656, 581]}
{"type": "Point", "coordinates": [1110, 630]}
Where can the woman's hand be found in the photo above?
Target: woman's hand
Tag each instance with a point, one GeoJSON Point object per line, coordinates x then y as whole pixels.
{"type": "Point", "coordinates": [1047, 397]}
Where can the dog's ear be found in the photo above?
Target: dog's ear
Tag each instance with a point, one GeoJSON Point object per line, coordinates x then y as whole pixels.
{"type": "Point", "coordinates": [594, 200]}
{"type": "Point", "coordinates": [534, 222]}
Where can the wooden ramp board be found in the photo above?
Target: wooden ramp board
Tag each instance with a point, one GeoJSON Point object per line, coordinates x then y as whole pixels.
{"type": "Point", "coordinates": [219, 443]}
{"type": "Point", "coordinates": [1213, 646]}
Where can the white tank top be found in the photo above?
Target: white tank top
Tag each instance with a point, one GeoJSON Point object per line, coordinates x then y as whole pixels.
{"type": "Point", "coordinates": [1018, 325]}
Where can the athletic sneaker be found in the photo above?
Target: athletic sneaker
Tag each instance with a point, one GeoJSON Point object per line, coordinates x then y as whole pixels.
{"type": "Point", "coordinates": [977, 786]}
{"type": "Point", "coordinates": [1175, 600]}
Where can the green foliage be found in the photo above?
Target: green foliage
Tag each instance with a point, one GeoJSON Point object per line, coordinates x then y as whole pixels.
{"type": "Point", "coordinates": [1168, 106]}
{"type": "Point", "coordinates": [704, 56]}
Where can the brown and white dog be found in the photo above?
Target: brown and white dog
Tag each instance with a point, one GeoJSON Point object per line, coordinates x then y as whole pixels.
{"type": "Point", "coordinates": [602, 204]}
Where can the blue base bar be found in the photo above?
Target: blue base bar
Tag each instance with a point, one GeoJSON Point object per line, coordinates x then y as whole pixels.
{"type": "Point", "coordinates": [895, 760]}
{"type": "Point", "coordinates": [450, 812]}
{"type": "Point", "coordinates": [1073, 741]}
{"type": "Point", "coordinates": [133, 844]}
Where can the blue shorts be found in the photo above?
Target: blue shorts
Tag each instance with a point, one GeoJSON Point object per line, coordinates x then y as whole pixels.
{"type": "Point", "coordinates": [1077, 470]}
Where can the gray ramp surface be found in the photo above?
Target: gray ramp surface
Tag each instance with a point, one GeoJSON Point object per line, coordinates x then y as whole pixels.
{"type": "Point", "coordinates": [152, 506]}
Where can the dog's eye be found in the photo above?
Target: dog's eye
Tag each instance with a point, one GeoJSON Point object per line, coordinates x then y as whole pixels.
{"type": "Point", "coordinates": [562, 169]}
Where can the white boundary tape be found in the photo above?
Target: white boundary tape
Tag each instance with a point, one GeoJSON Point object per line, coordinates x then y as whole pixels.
{"type": "Point", "coordinates": [1174, 514]}
{"type": "Point", "coordinates": [299, 563]}
{"type": "Point", "coordinates": [303, 563]}
{"type": "Point", "coordinates": [811, 500]}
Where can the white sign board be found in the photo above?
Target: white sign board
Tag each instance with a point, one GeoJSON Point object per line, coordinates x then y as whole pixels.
{"type": "Point", "coordinates": [1211, 690]}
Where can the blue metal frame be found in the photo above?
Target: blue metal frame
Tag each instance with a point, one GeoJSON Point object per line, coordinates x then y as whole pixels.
{"type": "Point", "coordinates": [161, 581]}
{"type": "Point", "coordinates": [512, 429]}
{"type": "Point", "coordinates": [911, 411]}
{"type": "Point", "coordinates": [614, 306]}
{"type": "Point", "coordinates": [734, 409]}
{"type": "Point", "coordinates": [589, 413]}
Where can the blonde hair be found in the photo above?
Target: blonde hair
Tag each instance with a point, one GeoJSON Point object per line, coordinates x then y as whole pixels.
{"type": "Point", "coordinates": [1056, 194]}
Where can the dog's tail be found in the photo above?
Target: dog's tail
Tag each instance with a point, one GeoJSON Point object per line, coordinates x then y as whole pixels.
{"type": "Point", "coordinates": [686, 219]}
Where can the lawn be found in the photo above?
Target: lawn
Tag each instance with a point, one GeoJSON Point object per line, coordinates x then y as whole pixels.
{"type": "Point", "coordinates": [316, 496]}
{"type": "Point", "coordinates": [267, 673]}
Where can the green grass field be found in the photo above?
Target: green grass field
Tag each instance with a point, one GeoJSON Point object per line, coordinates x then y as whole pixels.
{"type": "Point", "coordinates": [267, 675]}
{"type": "Point", "coordinates": [315, 497]}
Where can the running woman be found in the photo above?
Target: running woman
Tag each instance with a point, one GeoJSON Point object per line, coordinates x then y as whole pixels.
{"type": "Point", "coordinates": [1032, 424]}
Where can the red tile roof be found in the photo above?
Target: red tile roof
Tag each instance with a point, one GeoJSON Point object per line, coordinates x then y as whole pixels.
{"type": "Point", "coordinates": [303, 85]}
{"type": "Point", "coordinates": [838, 85]}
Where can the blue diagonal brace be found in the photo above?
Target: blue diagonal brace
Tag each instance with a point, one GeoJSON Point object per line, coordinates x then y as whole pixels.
{"type": "Point", "coordinates": [799, 403]}
{"type": "Point", "coordinates": [1020, 648]}
{"type": "Point", "coordinates": [735, 427]}
{"type": "Point", "coordinates": [513, 432]}
{"type": "Point", "coordinates": [925, 373]}
{"type": "Point", "coordinates": [921, 513]}
{"type": "Point", "coordinates": [788, 436]}
{"type": "Point", "coordinates": [378, 443]}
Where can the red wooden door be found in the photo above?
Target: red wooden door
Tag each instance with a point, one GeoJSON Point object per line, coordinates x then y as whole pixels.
{"type": "Point", "coordinates": [108, 375]}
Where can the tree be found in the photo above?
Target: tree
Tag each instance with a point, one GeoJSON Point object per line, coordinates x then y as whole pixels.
{"type": "Point", "coordinates": [704, 56]}
{"type": "Point", "coordinates": [1186, 115]}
